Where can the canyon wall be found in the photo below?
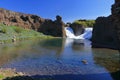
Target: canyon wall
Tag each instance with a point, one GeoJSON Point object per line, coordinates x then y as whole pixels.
{"type": "Point", "coordinates": [106, 31]}
{"type": "Point", "coordinates": [116, 19]}
{"type": "Point", "coordinates": [29, 21]}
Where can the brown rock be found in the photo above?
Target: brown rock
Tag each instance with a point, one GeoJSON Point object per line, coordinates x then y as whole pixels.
{"type": "Point", "coordinates": [84, 61]}
{"type": "Point", "coordinates": [116, 18]}
{"type": "Point", "coordinates": [55, 28]}
{"type": "Point", "coordinates": [77, 28]}
{"type": "Point", "coordinates": [26, 21]}
{"type": "Point", "coordinates": [116, 1]}
{"type": "Point", "coordinates": [106, 31]}
{"type": "Point", "coordinates": [29, 21]}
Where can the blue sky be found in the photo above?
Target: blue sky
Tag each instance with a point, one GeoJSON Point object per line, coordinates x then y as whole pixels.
{"type": "Point", "coordinates": [70, 10]}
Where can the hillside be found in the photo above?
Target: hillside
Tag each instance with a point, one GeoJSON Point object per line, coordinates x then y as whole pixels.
{"type": "Point", "coordinates": [13, 33]}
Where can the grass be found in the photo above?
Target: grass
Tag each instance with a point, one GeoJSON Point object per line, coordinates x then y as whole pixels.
{"type": "Point", "coordinates": [18, 29]}
{"type": "Point", "coordinates": [1, 76]}
{"type": "Point", "coordinates": [7, 33]}
{"type": "Point", "coordinates": [3, 30]}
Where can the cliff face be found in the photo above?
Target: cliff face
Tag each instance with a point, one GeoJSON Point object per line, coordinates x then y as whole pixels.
{"type": "Point", "coordinates": [34, 22]}
{"type": "Point", "coordinates": [55, 28]}
{"type": "Point", "coordinates": [106, 31]}
{"type": "Point", "coordinates": [26, 21]}
{"type": "Point", "coordinates": [116, 19]}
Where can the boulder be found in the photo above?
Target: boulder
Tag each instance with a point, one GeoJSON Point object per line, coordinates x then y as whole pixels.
{"type": "Point", "coordinates": [78, 29]}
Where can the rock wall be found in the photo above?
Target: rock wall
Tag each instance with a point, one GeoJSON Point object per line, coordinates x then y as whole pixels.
{"type": "Point", "coordinates": [116, 19]}
{"type": "Point", "coordinates": [55, 28]}
{"type": "Point", "coordinates": [26, 21]}
{"type": "Point", "coordinates": [29, 21]}
{"type": "Point", "coordinates": [106, 31]}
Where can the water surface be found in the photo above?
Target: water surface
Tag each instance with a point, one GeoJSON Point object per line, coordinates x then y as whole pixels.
{"type": "Point", "coordinates": [61, 59]}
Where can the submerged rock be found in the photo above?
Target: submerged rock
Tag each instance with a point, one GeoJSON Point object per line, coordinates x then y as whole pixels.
{"type": "Point", "coordinates": [84, 61]}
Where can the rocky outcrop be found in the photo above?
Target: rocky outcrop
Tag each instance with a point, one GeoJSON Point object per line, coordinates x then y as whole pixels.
{"type": "Point", "coordinates": [26, 21]}
{"type": "Point", "coordinates": [55, 28]}
{"type": "Point", "coordinates": [106, 31]}
{"type": "Point", "coordinates": [79, 25]}
{"type": "Point", "coordinates": [78, 29]}
{"type": "Point", "coordinates": [116, 19]}
{"type": "Point", "coordinates": [29, 21]}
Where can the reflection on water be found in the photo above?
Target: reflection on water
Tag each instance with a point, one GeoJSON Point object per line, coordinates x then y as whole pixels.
{"type": "Point", "coordinates": [61, 57]}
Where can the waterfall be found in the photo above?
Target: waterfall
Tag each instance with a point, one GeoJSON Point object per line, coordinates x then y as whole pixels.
{"type": "Point", "coordinates": [86, 35]}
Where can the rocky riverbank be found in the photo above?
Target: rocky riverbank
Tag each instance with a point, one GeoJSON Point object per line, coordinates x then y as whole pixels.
{"type": "Point", "coordinates": [12, 74]}
{"type": "Point", "coordinates": [7, 72]}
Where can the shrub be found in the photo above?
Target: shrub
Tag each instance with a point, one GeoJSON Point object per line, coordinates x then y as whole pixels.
{"type": "Point", "coordinates": [3, 30]}
{"type": "Point", "coordinates": [85, 23]}
{"type": "Point", "coordinates": [18, 29]}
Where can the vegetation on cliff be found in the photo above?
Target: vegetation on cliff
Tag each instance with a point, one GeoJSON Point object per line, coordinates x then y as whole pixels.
{"type": "Point", "coordinates": [13, 33]}
{"type": "Point", "coordinates": [79, 26]}
{"type": "Point", "coordinates": [85, 23]}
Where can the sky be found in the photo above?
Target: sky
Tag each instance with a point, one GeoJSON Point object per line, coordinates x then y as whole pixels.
{"type": "Point", "coordinates": [69, 10]}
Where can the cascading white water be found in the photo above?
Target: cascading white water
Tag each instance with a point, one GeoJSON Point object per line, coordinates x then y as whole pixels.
{"type": "Point", "coordinates": [86, 35]}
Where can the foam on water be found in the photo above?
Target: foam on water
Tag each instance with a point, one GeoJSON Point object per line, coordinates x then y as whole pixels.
{"type": "Point", "coordinates": [86, 35]}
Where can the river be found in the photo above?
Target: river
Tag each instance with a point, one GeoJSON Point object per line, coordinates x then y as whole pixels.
{"type": "Point", "coordinates": [61, 59]}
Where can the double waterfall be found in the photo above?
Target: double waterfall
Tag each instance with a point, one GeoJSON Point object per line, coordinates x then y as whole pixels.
{"type": "Point", "coordinates": [86, 35]}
